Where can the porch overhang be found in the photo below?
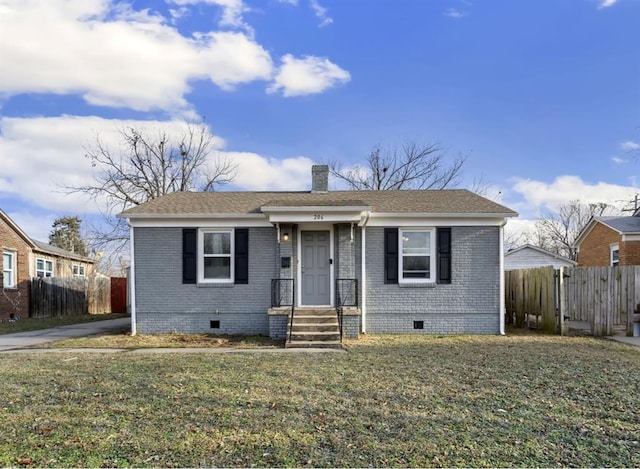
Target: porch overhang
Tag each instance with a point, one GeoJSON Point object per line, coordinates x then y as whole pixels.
{"type": "Point", "coordinates": [316, 213]}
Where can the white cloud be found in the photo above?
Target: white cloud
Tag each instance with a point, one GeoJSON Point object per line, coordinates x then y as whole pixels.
{"type": "Point", "coordinates": [618, 161]}
{"type": "Point", "coordinates": [606, 4]}
{"type": "Point", "coordinates": [257, 173]}
{"type": "Point", "coordinates": [115, 56]}
{"type": "Point", "coordinates": [41, 155]}
{"type": "Point", "coordinates": [549, 196]}
{"type": "Point", "coordinates": [321, 13]}
{"type": "Point", "coordinates": [289, 2]}
{"type": "Point", "coordinates": [35, 226]}
{"type": "Point", "coordinates": [232, 10]}
{"type": "Point", "coordinates": [630, 146]}
{"type": "Point", "coordinates": [308, 75]}
{"type": "Point", "coordinates": [455, 13]}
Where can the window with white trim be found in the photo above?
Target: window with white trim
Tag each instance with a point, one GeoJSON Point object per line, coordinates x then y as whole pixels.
{"type": "Point", "coordinates": [417, 255]}
{"type": "Point", "coordinates": [615, 255]}
{"type": "Point", "coordinates": [78, 270]}
{"type": "Point", "coordinates": [44, 268]}
{"type": "Point", "coordinates": [8, 269]}
{"type": "Point", "coordinates": [215, 256]}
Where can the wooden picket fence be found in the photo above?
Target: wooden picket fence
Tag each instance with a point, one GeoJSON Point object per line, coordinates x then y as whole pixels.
{"type": "Point", "coordinates": [69, 296]}
{"type": "Point", "coordinates": [606, 298]}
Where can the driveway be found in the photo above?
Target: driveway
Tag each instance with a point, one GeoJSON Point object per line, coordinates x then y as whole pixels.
{"type": "Point", "coordinates": [28, 339]}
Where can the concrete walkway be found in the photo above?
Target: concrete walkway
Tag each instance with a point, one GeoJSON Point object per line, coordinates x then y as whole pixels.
{"type": "Point", "coordinates": [625, 340]}
{"type": "Point", "coordinates": [20, 340]}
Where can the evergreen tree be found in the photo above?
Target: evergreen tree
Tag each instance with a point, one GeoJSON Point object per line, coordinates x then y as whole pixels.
{"type": "Point", "coordinates": [65, 234]}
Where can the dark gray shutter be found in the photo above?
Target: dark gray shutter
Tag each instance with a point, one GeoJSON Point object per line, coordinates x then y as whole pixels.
{"type": "Point", "coordinates": [391, 255]}
{"type": "Point", "coordinates": [443, 259]}
{"type": "Point", "coordinates": [189, 255]}
{"type": "Point", "coordinates": [241, 243]}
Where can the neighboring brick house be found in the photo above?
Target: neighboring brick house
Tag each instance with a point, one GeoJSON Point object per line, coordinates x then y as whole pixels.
{"type": "Point", "coordinates": [609, 241]}
{"type": "Point", "coordinates": [24, 258]}
{"type": "Point", "coordinates": [423, 261]}
{"type": "Point", "coordinates": [529, 257]}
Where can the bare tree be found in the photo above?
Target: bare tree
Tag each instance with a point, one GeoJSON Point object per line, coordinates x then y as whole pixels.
{"type": "Point", "coordinates": [145, 167]}
{"type": "Point", "coordinates": [557, 232]}
{"type": "Point", "coordinates": [409, 166]}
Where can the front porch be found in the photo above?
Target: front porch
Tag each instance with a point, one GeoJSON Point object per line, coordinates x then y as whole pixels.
{"type": "Point", "coordinates": [314, 326]}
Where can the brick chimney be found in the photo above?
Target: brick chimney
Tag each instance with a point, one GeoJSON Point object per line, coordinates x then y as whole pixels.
{"type": "Point", "coordinates": [320, 178]}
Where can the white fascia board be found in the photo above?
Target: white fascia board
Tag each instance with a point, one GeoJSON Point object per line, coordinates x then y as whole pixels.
{"type": "Point", "coordinates": [631, 237]}
{"type": "Point", "coordinates": [310, 217]}
{"type": "Point", "coordinates": [204, 222]}
{"type": "Point", "coordinates": [502, 216]}
{"type": "Point", "coordinates": [425, 220]}
{"type": "Point", "coordinates": [315, 209]}
{"type": "Point", "coordinates": [167, 216]}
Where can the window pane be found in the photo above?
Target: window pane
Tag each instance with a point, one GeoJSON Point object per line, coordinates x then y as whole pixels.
{"type": "Point", "coordinates": [416, 242]}
{"type": "Point", "coordinates": [49, 265]}
{"type": "Point", "coordinates": [6, 278]}
{"type": "Point", "coordinates": [7, 260]}
{"type": "Point", "coordinates": [217, 267]}
{"type": "Point", "coordinates": [415, 267]}
{"type": "Point", "coordinates": [217, 243]}
{"type": "Point", "coordinates": [39, 264]}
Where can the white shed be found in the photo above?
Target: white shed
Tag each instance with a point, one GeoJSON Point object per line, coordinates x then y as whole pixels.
{"type": "Point", "coordinates": [529, 257]}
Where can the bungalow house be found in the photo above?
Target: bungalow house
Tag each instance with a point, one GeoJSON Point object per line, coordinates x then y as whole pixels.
{"type": "Point", "coordinates": [530, 257]}
{"type": "Point", "coordinates": [609, 241]}
{"type": "Point", "coordinates": [24, 258]}
{"type": "Point", "coordinates": [415, 261]}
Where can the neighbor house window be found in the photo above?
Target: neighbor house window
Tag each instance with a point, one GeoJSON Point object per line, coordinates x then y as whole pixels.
{"type": "Point", "coordinates": [216, 254]}
{"type": "Point", "coordinates": [78, 270]}
{"type": "Point", "coordinates": [44, 268]}
{"type": "Point", "coordinates": [8, 269]}
{"type": "Point", "coordinates": [417, 255]}
{"type": "Point", "coordinates": [615, 255]}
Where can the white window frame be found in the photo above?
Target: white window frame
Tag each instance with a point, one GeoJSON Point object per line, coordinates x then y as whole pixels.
{"type": "Point", "coordinates": [614, 248]}
{"type": "Point", "coordinates": [201, 255]}
{"type": "Point", "coordinates": [80, 269]}
{"type": "Point", "coordinates": [12, 271]}
{"type": "Point", "coordinates": [44, 271]}
{"type": "Point", "coordinates": [432, 256]}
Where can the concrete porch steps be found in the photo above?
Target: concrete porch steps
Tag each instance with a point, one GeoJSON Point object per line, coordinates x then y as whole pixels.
{"type": "Point", "coordinates": [314, 328]}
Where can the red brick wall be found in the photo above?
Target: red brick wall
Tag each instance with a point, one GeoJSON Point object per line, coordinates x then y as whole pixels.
{"type": "Point", "coordinates": [595, 249]}
{"type": "Point", "coordinates": [14, 300]}
{"type": "Point", "coordinates": [630, 253]}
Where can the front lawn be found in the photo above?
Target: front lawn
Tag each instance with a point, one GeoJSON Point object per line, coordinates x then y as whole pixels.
{"type": "Point", "coordinates": [33, 324]}
{"type": "Point", "coordinates": [521, 400]}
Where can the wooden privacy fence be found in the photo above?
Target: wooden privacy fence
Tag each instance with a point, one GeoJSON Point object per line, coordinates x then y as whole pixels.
{"type": "Point", "coordinates": [604, 297]}
{"type": "Point", "coordinates": [69, 296]}
{"type": "Point", "coordinates": [532, 293]}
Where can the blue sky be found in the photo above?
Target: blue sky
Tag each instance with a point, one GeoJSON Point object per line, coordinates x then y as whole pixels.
{"type": "Point", "coordinates": [543, 95]}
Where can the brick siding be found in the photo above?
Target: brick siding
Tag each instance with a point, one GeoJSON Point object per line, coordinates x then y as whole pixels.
{"type": "Point", "coordinates": [469, 305]}
{"type": "Point", "coordinates": [165, 304]}
{"type": "Point", "coordinates": [595, 249]}
{"type": "Point", "coordinates": [15, 300]}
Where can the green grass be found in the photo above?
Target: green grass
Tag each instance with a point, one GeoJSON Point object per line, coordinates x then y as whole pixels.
{"type": "Point", "coordinates": [33, 324]}
{"type": "Point", "coordinates": [521, 400]}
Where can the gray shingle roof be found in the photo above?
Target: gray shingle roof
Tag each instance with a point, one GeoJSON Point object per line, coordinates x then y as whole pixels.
{"type": "Point", "coordinates": [456, 201]}
{"type": "Point", "coordinates": [56, 251]}
{"type": "Point", "coordinates": [622, 224]}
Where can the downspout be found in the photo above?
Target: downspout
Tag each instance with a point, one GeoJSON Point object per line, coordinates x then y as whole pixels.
{"type": "Point", "coordinates": [502, 305]}
{"type": "Point", "coordinates": [363, 275]}
{"type": "Point", "coordinates": [132, 281]}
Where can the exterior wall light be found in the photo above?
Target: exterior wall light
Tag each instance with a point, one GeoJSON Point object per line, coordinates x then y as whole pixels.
{"type": "Point", "coordinates": [285, 237]}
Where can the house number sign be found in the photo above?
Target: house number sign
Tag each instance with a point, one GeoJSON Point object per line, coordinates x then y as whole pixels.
{"type": "Point", "coordinates": [318, 216]}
